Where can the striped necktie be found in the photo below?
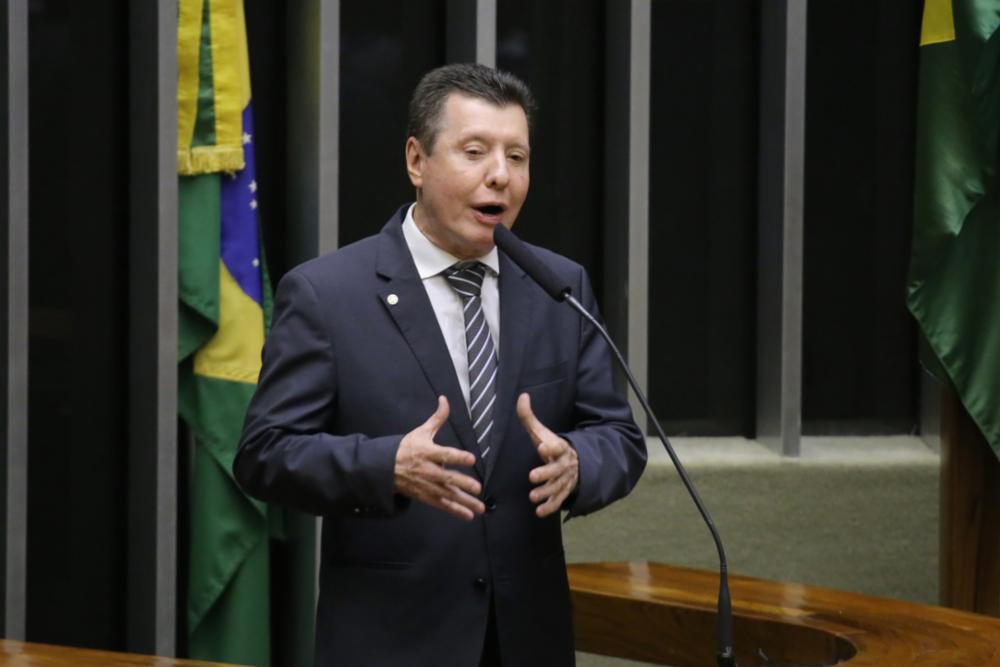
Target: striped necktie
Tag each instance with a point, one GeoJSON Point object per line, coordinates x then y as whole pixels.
{"type": "Point", "coordinates": [467, 280]}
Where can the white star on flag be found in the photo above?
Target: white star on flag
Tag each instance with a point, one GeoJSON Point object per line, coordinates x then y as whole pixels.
{"type": "Point", "coordinates": [253, 204]}
{"type": "Point", "coordinates": [246, 138]}
{"type": "Point", "coordinates": [253, 186]}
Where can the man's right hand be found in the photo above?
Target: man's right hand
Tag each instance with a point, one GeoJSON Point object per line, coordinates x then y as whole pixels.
{"type": "Point", "coordinates": [421, 474]}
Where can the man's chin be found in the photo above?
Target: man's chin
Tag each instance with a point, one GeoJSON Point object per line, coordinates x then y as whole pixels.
{"type": "Point", "coordinates": [475, 252]}
{"type": "Point", "coordinates": [480, 244]}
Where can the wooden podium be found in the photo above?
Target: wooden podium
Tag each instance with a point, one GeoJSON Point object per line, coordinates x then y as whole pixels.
{"type": "Point", "coordinates": [26, 654]}
{"type": "Point", "coordinates": [666, 615]}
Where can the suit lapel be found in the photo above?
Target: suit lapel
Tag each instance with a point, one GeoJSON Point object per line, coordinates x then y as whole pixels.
{"type": "Point", "coordinates": [405, 299]}
{"type": "Point", "coordinates": [516, 304]}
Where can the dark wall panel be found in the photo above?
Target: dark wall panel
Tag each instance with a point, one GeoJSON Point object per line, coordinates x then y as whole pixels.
{"type": "Point", "coordinates": [78, 411]}
{"type": "Point", "coordinates": [703, 202]}
{"type": "Point", "coordinates": [266, 35]}
{"type": "Point", "coordinates": [557, 48]}
{"type": "Point", "coordinates": [859, 344]}
{"type": "Point", "coordinates": [386, 46]}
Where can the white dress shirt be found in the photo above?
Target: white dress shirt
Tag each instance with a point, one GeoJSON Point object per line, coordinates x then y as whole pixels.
{"type": "Point", "coordinates": [431, 261]}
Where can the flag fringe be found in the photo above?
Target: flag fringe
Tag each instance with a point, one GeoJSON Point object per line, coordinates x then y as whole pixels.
{"type": "Point", "coordinates": [210, 160]}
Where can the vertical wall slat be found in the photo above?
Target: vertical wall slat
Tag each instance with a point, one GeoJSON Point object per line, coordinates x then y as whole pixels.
{"type": "Point", "coordinates": [486, 32]}
{"type": "Point", "coordinates": [795, 142]}
{"type": "Point", "coordinates": [313, 178]}
{"type": "Point", "coordinates": [637, 349]}
{"type": "Point", "coordinates": [152, 516]}
{"type": "Point", "coordinates": [329, 128]}
{"type": "Point", "coordinates": [780, 225]}
{"type": "Point", "coordinates": [313, 126]}
{"type": "Point", "coordinates": [14, 315]}
{"type": "Point", "coordinates": [471, 30]}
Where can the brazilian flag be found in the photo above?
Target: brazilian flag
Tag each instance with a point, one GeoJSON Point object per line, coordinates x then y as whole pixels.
{"type": "Point", "coordinates": [225, 305]}
{"type": "Point", "coordinates": [954, 281]}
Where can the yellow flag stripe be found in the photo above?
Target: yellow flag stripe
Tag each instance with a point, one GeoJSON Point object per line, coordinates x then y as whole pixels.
{"type": "Point", "coordinates": [242, 56]}
{"type": "Point", "coordinates": [188, 44]}
{"type": "Point", "coordinates": [230, 85]}
{"type": "Point", "coordinates": [939, 23]}
{"type": "Point", "coordinates": [227, 78]}
{"type": "Point", "coordinates": [234, 352]}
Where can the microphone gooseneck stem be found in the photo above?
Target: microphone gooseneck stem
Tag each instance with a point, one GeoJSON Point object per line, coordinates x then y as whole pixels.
{"type": "Point", "coordinates": [725, 614]}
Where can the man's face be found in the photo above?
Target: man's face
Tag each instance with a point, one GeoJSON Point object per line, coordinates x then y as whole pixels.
{"type": "Point", "coordinates": [475, 178]}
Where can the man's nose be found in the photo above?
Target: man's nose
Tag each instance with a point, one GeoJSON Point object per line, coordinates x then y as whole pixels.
{"type": "Point", "coordinates": [498, 175]}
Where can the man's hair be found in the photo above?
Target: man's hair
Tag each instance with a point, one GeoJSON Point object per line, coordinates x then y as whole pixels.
{"type": "Point", "coordinates": [492, 85]}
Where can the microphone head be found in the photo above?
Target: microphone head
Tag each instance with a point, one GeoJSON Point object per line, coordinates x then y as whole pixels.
{"type": "Point", "coordinates": [523, 256]}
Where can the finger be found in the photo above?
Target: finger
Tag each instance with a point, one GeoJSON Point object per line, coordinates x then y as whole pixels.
{"type": "Point", "coordinates": [551, 506]}
{"type": "Point", "coordinates": [457, 502]}
{"type": "Point", "coordinates": [453, 508]}
{"type": "Point", "coordinates": [462, 482]}
{"type": "Point", "coordinates": [433, 473]}
{"type": "Point", "coordinates": [551, 449]}
{"type": "Point", "coordinates": [440, 416]}
{"type": "Point", "coordinates": [532, 425]}
{"type": "Point", "coordinates": [545, 473]}
{"type": "Point", "coordinates": [448, 499]}
{"type": "Point", "coordinates": [450, 456]}
{"type": "Point", "coordinates": [547, 490]}
{"type": "Point", "coordinates": [457, 495]}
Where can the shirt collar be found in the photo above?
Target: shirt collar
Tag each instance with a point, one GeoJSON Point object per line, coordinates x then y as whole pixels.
{"type": "Point", "coordinates": [432, 260]}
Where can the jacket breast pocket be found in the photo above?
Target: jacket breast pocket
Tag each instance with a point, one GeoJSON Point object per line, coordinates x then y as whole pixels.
{"type": "Point", "coordinates": [541, 376]}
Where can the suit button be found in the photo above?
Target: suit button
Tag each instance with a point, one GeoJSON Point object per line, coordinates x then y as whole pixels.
{"type": "Point", "coordinates": [491, 503]}
{"type": "Point", "coordinates": [480, 583]}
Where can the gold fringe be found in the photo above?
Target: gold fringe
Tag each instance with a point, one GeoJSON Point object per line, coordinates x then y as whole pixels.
{"type": "Point", "coordinates": [210, 160]}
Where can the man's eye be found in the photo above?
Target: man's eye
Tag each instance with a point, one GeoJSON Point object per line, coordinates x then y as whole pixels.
{"type": "Point", "coordinates": [474, 151]}
{"type": "Point", "coordinates": [518, 157]}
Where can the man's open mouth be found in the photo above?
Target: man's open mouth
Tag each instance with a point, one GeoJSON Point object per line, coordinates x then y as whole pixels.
{"type": "Point", "coordinates": [490, 209]}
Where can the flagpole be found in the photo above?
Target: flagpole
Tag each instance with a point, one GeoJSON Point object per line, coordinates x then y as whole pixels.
{"type": "Point", "coordinates": [970, 513]}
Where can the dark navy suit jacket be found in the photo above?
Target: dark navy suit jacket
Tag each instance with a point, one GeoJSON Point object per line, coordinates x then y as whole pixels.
{"type": "Point", "coordinates": [346, 374]}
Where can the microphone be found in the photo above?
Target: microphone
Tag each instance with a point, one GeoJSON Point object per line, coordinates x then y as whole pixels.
{"type": "Point", "coordinates": [559, 290]}
{"type": "Point", "coordinates": [539, 271]}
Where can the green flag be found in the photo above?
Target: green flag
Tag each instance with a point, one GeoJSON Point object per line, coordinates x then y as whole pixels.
{"type": "Point", "coordinates": [225, 304]}
{"type": "Point", "coordinates": [954, 281]}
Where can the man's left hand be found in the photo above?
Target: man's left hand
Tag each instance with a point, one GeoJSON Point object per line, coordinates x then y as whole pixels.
{"type": "Point", "coordinates": [558, 477]}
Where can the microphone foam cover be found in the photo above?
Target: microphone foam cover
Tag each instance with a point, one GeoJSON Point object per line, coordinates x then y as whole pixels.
{"type": "Point", "coordinates": [522, 255]}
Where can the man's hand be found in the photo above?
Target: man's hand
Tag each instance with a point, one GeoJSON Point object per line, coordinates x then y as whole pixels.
{"type": "Point", "coordinates": [555, 480]}
{"type": "Point", "coordinates": [420, 470]}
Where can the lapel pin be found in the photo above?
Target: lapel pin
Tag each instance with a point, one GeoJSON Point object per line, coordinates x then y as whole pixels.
{"type": "Point", "coordinates": [392, 299]}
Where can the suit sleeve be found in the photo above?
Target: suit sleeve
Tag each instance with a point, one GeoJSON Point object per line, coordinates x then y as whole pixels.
{"type": "Point", "coordinates": [287, 454]}
{"type": "Point", "coordinates": [610, 447]}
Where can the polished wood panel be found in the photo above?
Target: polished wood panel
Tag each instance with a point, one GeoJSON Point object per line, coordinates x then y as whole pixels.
{"type": "Point", "coordinates": [25, 654]}
{"type": "Point", "coordinates": [970, 513]}
{"type": "Point", "coordinates": [666, 615]}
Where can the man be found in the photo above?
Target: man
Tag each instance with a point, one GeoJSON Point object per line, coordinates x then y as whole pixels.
{"type": "Point", "coordinates": [438, 409]}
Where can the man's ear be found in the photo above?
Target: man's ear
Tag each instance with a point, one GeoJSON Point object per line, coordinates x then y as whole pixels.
{"type": "Point", "coordinates": [415, 162]}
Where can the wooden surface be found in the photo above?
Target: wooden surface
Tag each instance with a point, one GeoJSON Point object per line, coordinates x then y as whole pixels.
{"type": "Point", "coordinates": [666, 615]}
{"type": "Point", "coordinates": [970, 513]}
{"type": "Point", "coordinates": [24, 654]}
